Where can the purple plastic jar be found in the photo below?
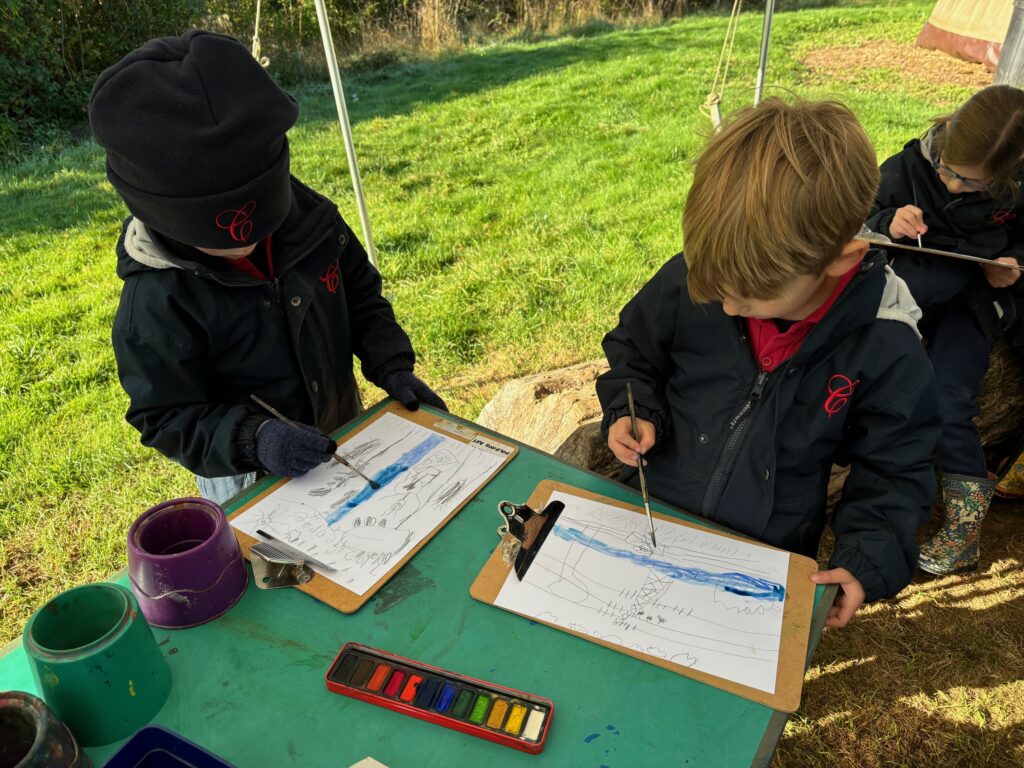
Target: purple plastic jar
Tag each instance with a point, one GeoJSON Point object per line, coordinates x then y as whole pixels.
{"type": "Point", "coordinates": [185, 564]}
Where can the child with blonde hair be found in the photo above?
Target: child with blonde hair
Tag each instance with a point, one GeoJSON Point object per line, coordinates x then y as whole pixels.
{"type": "Point", "coordinates": [777, 345]}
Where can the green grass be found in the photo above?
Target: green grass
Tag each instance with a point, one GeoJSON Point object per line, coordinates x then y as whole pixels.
{"type": "Point", "coordinates": [520, 194]}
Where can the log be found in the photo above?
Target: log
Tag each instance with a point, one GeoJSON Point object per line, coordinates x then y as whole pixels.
{"type": "Point", "coordinates": [545, 409]}
{"type": "Point", "coordinates": [1002, 397]}
{"type": "Point", "coordinates": [558, 412]}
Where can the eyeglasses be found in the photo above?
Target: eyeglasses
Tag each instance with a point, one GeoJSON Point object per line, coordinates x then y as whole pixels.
{"type": "Point", "coordinates": [949, 175]}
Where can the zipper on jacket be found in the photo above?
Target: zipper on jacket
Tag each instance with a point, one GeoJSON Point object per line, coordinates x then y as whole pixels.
{"type": "Point", "coordinates": [316, 244]}
{"type": "Point", "coordinates": [297, 259]}
{"type": "Point", "coordinates": [737, 427]}
{"type": "Point", "coordinates": [257, 283]}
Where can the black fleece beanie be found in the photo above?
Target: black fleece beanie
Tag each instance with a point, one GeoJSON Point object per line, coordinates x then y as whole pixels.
{"type": "Point", "coordinates": [194, 131]}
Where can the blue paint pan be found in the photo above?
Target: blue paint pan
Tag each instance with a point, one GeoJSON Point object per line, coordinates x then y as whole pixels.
{"type": "Point", "coordinates": [156, 747]}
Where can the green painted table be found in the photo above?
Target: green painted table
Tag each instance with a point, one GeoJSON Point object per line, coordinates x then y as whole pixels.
{"type": "Point", "coordinates": [250, 685]}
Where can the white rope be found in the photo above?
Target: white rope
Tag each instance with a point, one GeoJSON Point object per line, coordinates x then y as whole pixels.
{"type": "Point", "coordinates": [263, 60]}
{"type": "Point", "coordinates": [711, 107]}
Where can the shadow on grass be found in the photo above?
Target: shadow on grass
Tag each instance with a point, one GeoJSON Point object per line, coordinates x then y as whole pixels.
{"type": "Point", "coordinates": [47, 194]}
{"type": "Point", "coordinates": [55, 200]}
{"type": "Point", "coordinates": [784, 6]}
{"type": "Point", "coordinates": [399, 88]}
{"type": "Point", "coordinates": [936, 673]}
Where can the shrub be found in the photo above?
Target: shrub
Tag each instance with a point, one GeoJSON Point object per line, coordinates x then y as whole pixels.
{"type": "Point", "coordinates": [52, 50]}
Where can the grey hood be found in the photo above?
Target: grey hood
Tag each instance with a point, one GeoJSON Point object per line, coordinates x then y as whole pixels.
{"type": "Point", "coordinates": [140, 245]}
{"type": "Point", "coordinates": [897, 302]}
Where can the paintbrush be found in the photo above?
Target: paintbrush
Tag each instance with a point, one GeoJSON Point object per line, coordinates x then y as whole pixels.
{"type": "Point", "coordinates": [336, 456]}
{"type": "Point", "coordinates": [345, 462]}
{"type": "Point", "coordinates": [640, 462]}
{"type": "Point", "coordinates": [913, 186]}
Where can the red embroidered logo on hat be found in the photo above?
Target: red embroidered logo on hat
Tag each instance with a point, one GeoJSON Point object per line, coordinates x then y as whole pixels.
{"type": "Point", "coordinates": [840, 389]}
{"type": "Point", "coordinates": [330, 277]}
{"type": "Point", "coordinates": [238, 223]}
{"type": "Point", "coordinates": [1001, 217]}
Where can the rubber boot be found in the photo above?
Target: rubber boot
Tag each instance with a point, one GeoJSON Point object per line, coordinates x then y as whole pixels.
{"type": "Point", "coordinates": [956, 546]}
{"type": "Point", "coordinates": [1011, 484]}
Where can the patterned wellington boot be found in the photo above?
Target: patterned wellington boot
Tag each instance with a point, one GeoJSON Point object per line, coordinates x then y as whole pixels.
{"type": "Point", "coordinates": [1011, 484]}
{"type": "Point", "coordinates": [955, 548]}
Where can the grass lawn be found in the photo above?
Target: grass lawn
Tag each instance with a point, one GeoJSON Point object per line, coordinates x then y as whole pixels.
{"type": "Point", "coordinates": [520, 194]}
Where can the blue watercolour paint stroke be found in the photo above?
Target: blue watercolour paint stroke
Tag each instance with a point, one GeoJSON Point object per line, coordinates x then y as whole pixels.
{"type": "Point", "coordinates": [591, 737]}
{"type": "Point", "coordinates": [737, 583]}
{"type": "Point", "coordinates": [386, 476]}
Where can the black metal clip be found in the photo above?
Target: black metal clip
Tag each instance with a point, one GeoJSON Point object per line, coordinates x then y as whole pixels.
{"type": "Point", "coordinates": [523, 531]}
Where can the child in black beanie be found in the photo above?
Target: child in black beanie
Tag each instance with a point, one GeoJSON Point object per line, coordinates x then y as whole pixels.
{"type": "Point", "coordinates": [238, 279]}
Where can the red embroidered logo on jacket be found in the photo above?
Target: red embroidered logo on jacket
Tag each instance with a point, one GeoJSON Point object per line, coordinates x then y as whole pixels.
{"type": "Point", "coordinates": [330, 277]}
{"type": "Point", "coordinates": [840, 389]}
{"type": "Point", "coordinates": [237, 223]}
{"type": "Point", "coordinates": [1001, 217]}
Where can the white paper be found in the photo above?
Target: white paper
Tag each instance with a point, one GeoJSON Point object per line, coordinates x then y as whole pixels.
{"type": "Point", "coordinates": [368, 762]}
{"type": "Point", "coordinates": [699, 600]}
{"type": "Point", "coordinates": [332, 515]}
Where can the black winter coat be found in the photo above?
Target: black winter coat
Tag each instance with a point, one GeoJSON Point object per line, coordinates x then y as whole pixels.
{"type": "Point", "coordinates": [970, 223]}
{"type": "Point", "coordinates": [194, 337]}
{"type": "Point", "coordinates": [753, 450]}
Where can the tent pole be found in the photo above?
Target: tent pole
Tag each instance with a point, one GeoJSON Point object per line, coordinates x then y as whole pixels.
{"type": "Point", "coordinates": [1010, 70]}
{"type": "Point", "coordinates": [766, 36]}
{"type": "Point", "coordinates": [346, 129]}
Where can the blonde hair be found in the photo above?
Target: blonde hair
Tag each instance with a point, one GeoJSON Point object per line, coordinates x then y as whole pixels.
{"type": "Point", "coordinates": [776, 194]}
{"type": "Point", "coordinates": [987, 131]}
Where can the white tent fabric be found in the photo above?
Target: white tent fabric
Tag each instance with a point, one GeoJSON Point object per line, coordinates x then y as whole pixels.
{"type": "Point", "coordinates": [968, 29]}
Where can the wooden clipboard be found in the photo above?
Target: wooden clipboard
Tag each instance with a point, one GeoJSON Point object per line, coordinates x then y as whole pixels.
{"type": "Point", "coordinates": [335, 595]}
{"type": "Point", "coordinates": [796, 616]}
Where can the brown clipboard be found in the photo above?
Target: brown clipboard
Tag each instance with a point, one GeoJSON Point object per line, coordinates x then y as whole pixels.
{"type": "Point", "coordinates": [796, 614]}
{"type": "Point", "coordinates": [335, 595]}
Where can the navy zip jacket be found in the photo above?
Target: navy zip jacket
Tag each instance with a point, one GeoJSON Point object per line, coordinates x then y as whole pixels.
{"type": "Point", "coordinates": [194, 336]}
{"type": "Point", "coordinates": [753, 451]}
{"type": "Point", "coordinates": [970, 223]}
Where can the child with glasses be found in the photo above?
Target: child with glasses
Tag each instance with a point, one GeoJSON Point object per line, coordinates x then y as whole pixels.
{"type": "Point", "coordinates": [959, 189]}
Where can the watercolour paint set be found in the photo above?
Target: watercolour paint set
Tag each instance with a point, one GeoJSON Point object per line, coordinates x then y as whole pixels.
{"type": "Point", "coordinates": [502, 715]}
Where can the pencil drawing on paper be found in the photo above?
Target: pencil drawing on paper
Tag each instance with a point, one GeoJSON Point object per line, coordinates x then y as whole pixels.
{"type": "Point", "coordinates": [698, 599]}
{"type": "Point", "coordinates": [333, 515]}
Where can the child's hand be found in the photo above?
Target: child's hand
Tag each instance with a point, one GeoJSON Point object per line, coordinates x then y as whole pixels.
{"type": "Point", "coordinates": [292, 450]}
{"type": "Point", "coordinates": [850, 597]}
{"type": "Point", "coordinates": [1001, 277]}
{"type": "Point", "coordinates": [908, 222]}
{"type": "Point", "coordinates": [620, 439]}
{"type": "Point", "coordinates": [410, 391]}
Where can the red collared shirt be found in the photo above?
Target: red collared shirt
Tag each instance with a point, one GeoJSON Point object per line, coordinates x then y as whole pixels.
{"type": "Point", "coordinates": [772, 347]}
{"type": "Point", "coordinates": [248, 265]}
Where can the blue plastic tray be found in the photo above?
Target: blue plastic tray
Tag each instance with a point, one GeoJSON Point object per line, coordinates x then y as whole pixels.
{"type": "Point", "coordinates": [156, 747]}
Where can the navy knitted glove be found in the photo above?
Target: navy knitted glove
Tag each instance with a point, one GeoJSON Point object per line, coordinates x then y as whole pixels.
{"type": "Point", "coordinates": [292, 451]}
{"type": "Point", "coordinates": [406, 388]}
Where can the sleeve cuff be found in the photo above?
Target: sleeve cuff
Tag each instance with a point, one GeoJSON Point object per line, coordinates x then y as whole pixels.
{"type": "Point", "coordinates": [875, 587]}
{"type": "Point", "coordinates": [397, 363]}
{"type": "Point", "coordinates": [880, 221]}
{"type": "Point", "coordinates": [246, 441]}
{"type": "Point", "coordinates": [656, 417]}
